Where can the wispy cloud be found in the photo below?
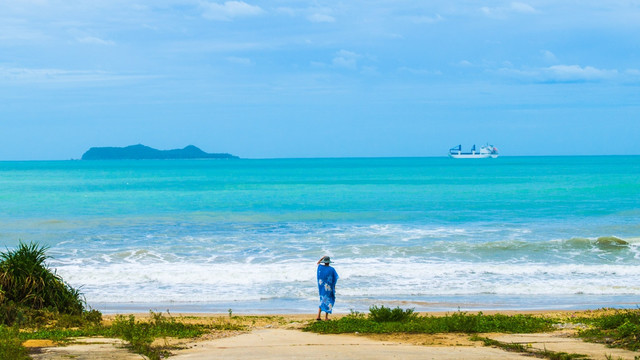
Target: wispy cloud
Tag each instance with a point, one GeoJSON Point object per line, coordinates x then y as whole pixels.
{"type": "Point", "coordinates": [19, 30]}
{"type": "Point", "coordinates": [239, 60]}
{"type": "Point", "coordinates": [504, 11]}
{"type": "Point", "coordinates": [346, 59]}
{"type": "Point", "coordinates": [426, 19]}
{"type": "Point", "coordinates": [522, 8]}
{"type": "Point", "coordinates": [562, 73]}
{"type": "Point", "coordinates": [229, 10]}
{"type": "Point", "coordinates": [50, 75]}
{"type": "Point", "coordinates": [548, 56]}
{"type": "Point", "coordinates": [94, 41]}
{"type": "Point", "coordinates": [420, 72]}
{"type": "Point", "coordinates": [578, 73]}
{"type": "Point", "coordinates": [312, 14]}
{"type": "Point", "coordinates": [321, 18]}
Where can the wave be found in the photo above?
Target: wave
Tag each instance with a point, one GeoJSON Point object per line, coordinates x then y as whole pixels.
{"type": "Point", "coordinates": [380, 277]}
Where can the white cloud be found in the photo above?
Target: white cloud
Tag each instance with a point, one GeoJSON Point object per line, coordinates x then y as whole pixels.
{"type": "Point", "coordinates": [229, 10]}
{"type": "Point", "coordinates": [239, 60]}
{"type": "Point", "coordinates": [346, 59]}
{"type": "Point", "coordinates": [94, 41]}
{"type": "Point", "coordinates": [465, 63]}
{"type": "Point", "coordinates": [321, 18]}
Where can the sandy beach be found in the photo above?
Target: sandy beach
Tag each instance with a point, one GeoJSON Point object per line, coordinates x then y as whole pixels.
{"type": "Point", "coordinates": [281, 337]}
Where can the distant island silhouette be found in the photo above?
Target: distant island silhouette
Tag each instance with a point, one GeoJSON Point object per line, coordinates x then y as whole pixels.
{"type": "Point", "coordinates": [142, 152]}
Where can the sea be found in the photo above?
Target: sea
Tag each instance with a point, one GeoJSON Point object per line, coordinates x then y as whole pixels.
{"type": "Point", "coordinates": [244, 235]}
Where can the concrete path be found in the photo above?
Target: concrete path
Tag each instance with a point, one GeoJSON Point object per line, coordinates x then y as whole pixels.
{"type": "Point", "coordinates": [293, 344]}
{"type": "Point", "coordinates": [88, 349]}
{"type": "Point", "coordinates": [561, 342]}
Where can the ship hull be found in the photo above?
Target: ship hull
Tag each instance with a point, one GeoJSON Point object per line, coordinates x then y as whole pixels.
{"type": "Point", "coordinates": [472, 156]}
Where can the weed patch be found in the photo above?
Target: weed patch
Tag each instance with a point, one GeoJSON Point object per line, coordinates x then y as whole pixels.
{"type": "Point", "coordinates": [620, 329]}
{"type": "Point", "coordinates": [459, 322]}
{"type": "Point", "coordinates": [141, 334]}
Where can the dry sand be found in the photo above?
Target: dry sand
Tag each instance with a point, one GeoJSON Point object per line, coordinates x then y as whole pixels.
{"type": "Point", "coordinates": [279, 337]}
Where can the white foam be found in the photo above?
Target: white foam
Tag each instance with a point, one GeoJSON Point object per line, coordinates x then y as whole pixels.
{"type": "Point", "coordinates": [218, 281]}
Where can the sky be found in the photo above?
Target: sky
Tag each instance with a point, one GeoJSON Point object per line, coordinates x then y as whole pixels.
{"type": "Point", "coordinates": [297, 78]}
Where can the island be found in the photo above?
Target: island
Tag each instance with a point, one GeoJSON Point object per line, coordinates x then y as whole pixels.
{"type": "Point", "coordinates": [142, 152]}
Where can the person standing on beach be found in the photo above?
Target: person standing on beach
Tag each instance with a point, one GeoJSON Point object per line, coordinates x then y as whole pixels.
{"type": "Point", "coordinates": [327, 279]}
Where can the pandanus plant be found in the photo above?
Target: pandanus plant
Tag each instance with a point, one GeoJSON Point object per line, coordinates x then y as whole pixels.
{"type": "Point", "coordinates": [26, 280]}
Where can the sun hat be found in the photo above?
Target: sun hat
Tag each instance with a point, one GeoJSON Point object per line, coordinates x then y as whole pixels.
{"type": "Point", "coordinates": [326, 260]}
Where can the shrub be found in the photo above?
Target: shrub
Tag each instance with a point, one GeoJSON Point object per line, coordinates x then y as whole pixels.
{"type": "Point", "coordinates": [25, 280]}
{"type": "Point", "coordinates": [385, 314]}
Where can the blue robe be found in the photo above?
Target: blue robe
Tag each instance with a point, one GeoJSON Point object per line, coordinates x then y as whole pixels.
{"type": "Point", "coordinates": [327, 278]}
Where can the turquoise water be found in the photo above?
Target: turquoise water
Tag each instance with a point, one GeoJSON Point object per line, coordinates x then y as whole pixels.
{"type": "Point", "coordinates": [429, 233]}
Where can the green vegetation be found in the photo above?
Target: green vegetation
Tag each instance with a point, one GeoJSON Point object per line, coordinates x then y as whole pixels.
{"type": "Point", "coordinates": [619, 328]}
{"type": "Point", "coordinates": [386, 320]}
{"type": "Point", "coordinates": [10, 345]}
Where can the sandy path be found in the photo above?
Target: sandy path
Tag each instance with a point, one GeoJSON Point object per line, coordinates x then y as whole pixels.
{"type": "Point", "coordinates": [294, 344]}
{"type": "Point", "coordinates": [562, 343]}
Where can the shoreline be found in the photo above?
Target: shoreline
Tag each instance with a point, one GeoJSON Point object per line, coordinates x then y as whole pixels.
{"type": "Point", "coordinates": [300, 307]}
{"type": "Point", "coordinates": [311, 314]}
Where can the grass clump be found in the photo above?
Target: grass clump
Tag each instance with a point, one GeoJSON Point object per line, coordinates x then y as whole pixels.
{"type": "Point", "coordinates": [620, 329]}
{"type": "Point", "coordinates": [385, 320]}
{"type": "Point", "coordinates": [141, 334]}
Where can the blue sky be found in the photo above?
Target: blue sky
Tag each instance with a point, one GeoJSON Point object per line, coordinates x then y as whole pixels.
{"type": "Point", "coordinates": [294, 78]}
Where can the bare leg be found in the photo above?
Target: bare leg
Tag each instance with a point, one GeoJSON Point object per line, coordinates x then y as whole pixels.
{"type": "Point", "coordinates": [326, 316]}
{"type": "Point", "coordinates": [319, 313]}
